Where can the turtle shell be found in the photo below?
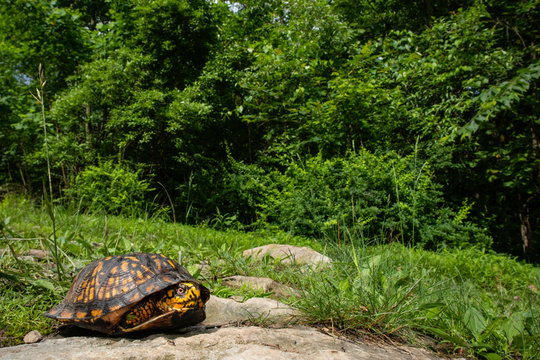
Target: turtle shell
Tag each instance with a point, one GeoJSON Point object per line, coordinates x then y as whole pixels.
{"type": "Point", "coordinates": [107, 288]}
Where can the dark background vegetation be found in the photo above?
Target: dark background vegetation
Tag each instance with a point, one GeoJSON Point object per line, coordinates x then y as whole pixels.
{"type": "Point", "coordinates": [409, 121]}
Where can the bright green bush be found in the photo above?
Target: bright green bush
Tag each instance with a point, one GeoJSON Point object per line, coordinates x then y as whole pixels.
{"type": "Point", "coordinates": [110, 187]}
{"type": "Point", "coordinates": [369, 195]}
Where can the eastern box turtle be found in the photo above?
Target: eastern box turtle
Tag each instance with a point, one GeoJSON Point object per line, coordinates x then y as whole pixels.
{"type": "Point", "coordinates": [134, 292]}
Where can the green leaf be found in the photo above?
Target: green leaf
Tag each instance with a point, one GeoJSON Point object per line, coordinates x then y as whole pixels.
{"type": "Point", "coordinates": [446, 336]}
{"type": "Point", "coordinates": [431, 310]}
{"type": "Point", "coordinates": [344, 285]}
{"type": "Point", "coordinates": [73, 248]}
{"type": "Point", "coordinates": [474, 321]}
{"type": "Point", "coordinates": [43, 283]}
{"type": "Point", "coordinates": [491, 356]}
{"type": "Point", "coordinates": [513, 326]}
{"type": "Point", "coordinates": [126, 244]}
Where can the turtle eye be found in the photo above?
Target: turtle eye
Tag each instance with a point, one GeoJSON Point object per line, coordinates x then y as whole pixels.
{"type": "Point", "coordinates": [181, 290]}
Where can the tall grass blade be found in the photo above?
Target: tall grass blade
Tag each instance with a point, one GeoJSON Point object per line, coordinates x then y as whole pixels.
{"type": "Point", "coordinates": [49, 200]}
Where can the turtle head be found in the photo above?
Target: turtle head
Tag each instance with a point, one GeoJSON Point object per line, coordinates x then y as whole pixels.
{"type": "Point", "coordinates": [184, 296]}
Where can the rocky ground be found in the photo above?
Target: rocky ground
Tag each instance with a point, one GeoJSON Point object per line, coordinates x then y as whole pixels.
{"type": "Point", "coordinates": [223, 335]}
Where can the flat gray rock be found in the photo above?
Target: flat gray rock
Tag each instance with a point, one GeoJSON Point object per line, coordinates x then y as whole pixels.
{"type": "Point", "coordinates": [220, 311]}
{"type": "Point", "coordinates": [222, 343]}
{"type": "Point", "coordinates": [289, 254]}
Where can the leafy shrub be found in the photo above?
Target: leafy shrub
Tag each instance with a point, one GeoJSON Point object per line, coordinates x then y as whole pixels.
{"type": "Point", "coordinates": [366, 194]}
{"type": "Point", "coordinates": [110, 187]}
{"type": "Point", "coordinates": [245, 188]}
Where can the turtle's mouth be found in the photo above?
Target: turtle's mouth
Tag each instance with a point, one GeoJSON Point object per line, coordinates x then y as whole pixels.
{"type": "Point", "coordinates": [185, 308]}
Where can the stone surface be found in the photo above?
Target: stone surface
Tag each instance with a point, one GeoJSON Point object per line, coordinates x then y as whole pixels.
{"type": "Point", "coordinates": [289, 254]}
{"type": "Point", "coordinates": [222, 343]}
{"type": "Point", "coordinates": [260, 283]}
{"type": "Point", "coordinates": [220, 311]}
{"type": "Point", "coordinates": [37, 253]}
{"type": "Point", "coordinates": [32, 337]}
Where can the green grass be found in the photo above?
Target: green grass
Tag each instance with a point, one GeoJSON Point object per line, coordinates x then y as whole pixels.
{"type": "Point", "coordinates": [469, 301]}
{"type": "Point", "coordinates": [463, 301]}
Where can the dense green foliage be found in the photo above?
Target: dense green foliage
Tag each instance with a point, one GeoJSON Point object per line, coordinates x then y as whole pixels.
{"type": "Point", "coordinates": [413, 121]}
{"type": "Point", "coordinates": [109, 188]}
{"type": "Point", "coordinates": [386, 197]}
{"type": "Point", "coordinates": [476, 302]}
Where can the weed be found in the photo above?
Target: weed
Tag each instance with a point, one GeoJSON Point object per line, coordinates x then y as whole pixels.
{"type": "Point", "coordinates": [48, 198]}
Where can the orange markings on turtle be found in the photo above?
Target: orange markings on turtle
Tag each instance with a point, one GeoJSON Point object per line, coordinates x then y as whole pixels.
{"type": "Point", "coordinates": [101, 294]}
{"type": "Point", "coordinates": [125, 265]}
{"type": "Point", "coordinates": [97, 269]}
{"type": "Point", "coordinates": [114, 270]}
{"type": "Point", "coordinates": [66, 314]}
{"type": "Point", "coordinates": [84, 285]}
{"type": "Point", "coordinates": [108, 294]}
{"type": "Point", "coordinates": [53, 311]}
{"type": "Point", "coordinates": [115, 307]}
{"type": "Point", "coordinates": [91, 294]}
{"type": "Point", "coordinates": [134, 297]}
{"type": "Point", "coordinates": [124, 283]}
{"type": "Point", "coordinates": [171, 263]}
{"type": "Point", "coordinates": [101, 278]}
{"type": "Point", "coordinates": [80, 314]}
{"type": "Point", "coordinates": [150, 288]}
{"type": "Point", "coordinates": [96, 312]}
{"type": "Point", "coordinates": [86, 291]}
{"type": "Point", "coordinates": [132, 258]}
{"type": "Point", "coordinates": [140, 277]}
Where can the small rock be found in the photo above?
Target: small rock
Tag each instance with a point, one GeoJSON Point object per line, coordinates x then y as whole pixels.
{"type": "Point", "coordinates": [32, 337]}
{"type": "Point", "coordinates": [37, 253]}
{"type": "Point", "coordinates": [260, 283]}
{"type": "Point", "coordinates": [206, 269]}
{"type": "Point", "coordinates": [289, 254]}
